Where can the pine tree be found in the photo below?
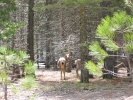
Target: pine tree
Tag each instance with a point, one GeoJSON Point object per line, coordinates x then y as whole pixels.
{"type": "Point", "coordinates": [107, 32]}
{"type": "Point", "coordinates": [9, 57]}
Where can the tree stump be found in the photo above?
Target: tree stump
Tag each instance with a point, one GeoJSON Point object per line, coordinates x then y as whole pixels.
{"type": "Point", "coordinates": [15, 71]}
{"type": "Point", "coordinates": [109, 64]}
{"type": "Point", "coordinates": [84, 75]}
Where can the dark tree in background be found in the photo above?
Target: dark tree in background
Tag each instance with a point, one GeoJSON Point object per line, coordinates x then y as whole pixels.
{"type": "Point", "coordinates": [30, 37]}
{"type": "Point", "coordinates": [47, 29]}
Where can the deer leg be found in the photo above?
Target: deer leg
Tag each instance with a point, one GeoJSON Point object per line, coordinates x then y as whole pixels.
{"type": "Point", "coordinates": [128, 72]}
{"type": "Point", "coordinates": [61, 73]}
{"type": "Point", "coordinates": [64, 73]}
{"type": "Point", "coordinates": [77, 73]}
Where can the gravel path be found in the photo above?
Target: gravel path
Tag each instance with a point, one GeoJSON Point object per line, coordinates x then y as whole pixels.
{"type": "Point", "coordinates": [51, 88]}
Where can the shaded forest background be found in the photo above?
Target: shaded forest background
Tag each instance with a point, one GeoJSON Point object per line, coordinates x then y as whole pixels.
{"type": "Point", "coordinates": [49, 32]}
{"type": "Point", "coordinates": [49, 29]}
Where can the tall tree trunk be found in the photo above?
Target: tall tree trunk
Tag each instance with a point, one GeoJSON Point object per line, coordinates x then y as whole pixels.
{"type": "Point", "coordinates": [30, 37]}
{"type": "Point", "coordinates": [47, 52]}
{"type": "Point", "coordinates": [62, 23]}
{"type": "Point", "coordinates": [48, 40]}
{"type": "Point", "coordinates": [83, 49]}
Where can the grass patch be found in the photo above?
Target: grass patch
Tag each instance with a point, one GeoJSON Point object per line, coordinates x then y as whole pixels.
{"type": "Point", "coordinates": [28, 82]}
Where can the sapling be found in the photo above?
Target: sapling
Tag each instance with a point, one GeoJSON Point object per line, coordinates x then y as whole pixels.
{"type": "Point", "coordinates": [8, 58]}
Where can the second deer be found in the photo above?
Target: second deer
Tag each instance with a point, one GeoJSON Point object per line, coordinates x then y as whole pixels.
{"type": "Point", "coordinates": [78, 66]}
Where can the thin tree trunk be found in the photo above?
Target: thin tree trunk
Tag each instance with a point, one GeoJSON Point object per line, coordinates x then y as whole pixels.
{"type": "Point", "coordinates": [5, 81]}
{"type": "Point", "coordinates": [30, 37]}
{"type": "Point", "coordinates": [5, 89]}
{"type": "Point", "coordinates": [48, 35]}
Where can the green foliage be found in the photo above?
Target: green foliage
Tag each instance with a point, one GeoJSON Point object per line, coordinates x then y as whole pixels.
{"type": "Point", "coordinates": [107, 30]}
{"type": "Point", "coordinates": [128, 37]}
{"type": "Point", "coordinates": [6, 55]}
{"type": "Point", "coordinates": [110, 45]}
{"type": "Point", "coordinates": [12, 57]}
{"type": "Point", "coordinates": [8, 27]}
{"type": "Point", "coordinates": [100, 64]}
{"type": "Point", "coordinates": [68, 3]}
{"type": "Point", "coordinates": [121, 20]}
{"type": "Point", "coordinates": [30, 67]}
{"type": "Point", "coordinates": [129, 47]}
{"type": "Point", "coordinates": [120, 1]}
{"type": "Point", "coordinates": [9, 57]}
{"type": "Point", "coordinates": [28, 82]}
{"type": "Point", "coordinates": [97, 51]}
{"type": "Point", "coordinates": [21, 57]}
{"type": "Point", "coordinates": [3, 77]}
{"type": "Point", "coordinates": [93, 69]}
{"type": "Point", "coordinates": [103, 31]}
{"type": "Point", "coordinates": [110, 26]}
{"type": "Point", "coordinates": [129, 3]}
{"type": "Point", "coordinates": [65, 4]}
{"type": "Point", "coordinates": [6, 7]}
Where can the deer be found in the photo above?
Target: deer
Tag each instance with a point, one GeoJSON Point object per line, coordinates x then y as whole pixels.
{"type": "Point", "coordinates": [62, 66]}
{"type": "Point", "coordinates": [65, 64]}
{"type": "Point", "coordinates": [78, 66]}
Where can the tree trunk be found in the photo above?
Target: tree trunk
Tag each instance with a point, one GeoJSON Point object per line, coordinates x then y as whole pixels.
{"type": "Point", "coordinates": [30, 37]}
{"type": "Point", "coordinates": [83, 49]}
{"type": "Point", "coordinates": [5, 81]}
{"type": "Point", "coordinates": [48, 40]}
{"type": "Point", "coordinates": [109, 64]}
{"type": "Point", "coordinates": [47, 53]}
{"type": "Point", "coordinates": [84, 75]}
{"type": "Point", "coordinates": [5, 89]}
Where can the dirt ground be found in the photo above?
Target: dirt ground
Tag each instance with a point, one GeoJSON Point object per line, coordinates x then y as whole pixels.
{"type": "Point", "coordinates": [50, 87]}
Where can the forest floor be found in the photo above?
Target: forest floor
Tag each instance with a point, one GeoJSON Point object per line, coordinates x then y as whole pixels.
{"type": "Point", "coordinates": [50, 87]}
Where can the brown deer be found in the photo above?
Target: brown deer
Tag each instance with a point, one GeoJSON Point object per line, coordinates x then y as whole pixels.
{"type": "Point", "coordinates": [78, 66]}
{"type": "Point", "coordinates": [65, 63]}
{"type": "Point", "coordinates": [62, 65]}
